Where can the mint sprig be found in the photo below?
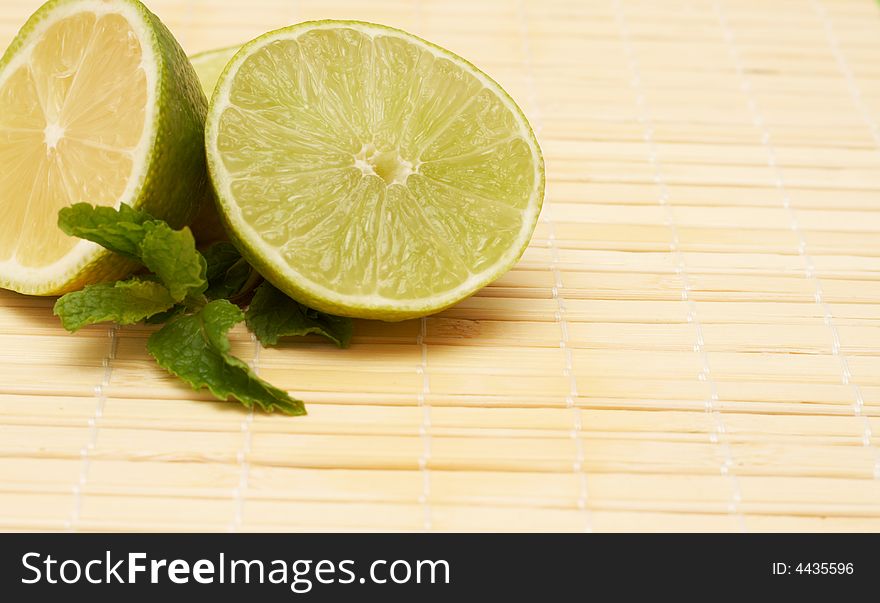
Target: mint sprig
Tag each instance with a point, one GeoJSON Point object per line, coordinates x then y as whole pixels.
{"type": "Point", "coordinates": [195, 347]}
{"type": "Point", "coordinates": [119, 230]}
{"type": "Point", "coordinates": [189, 293]}
{"type": "Point", "coordinates": [170, 254]}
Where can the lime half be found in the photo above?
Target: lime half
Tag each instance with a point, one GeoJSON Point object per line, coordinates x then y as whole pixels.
{"type": "Point", "coordinates": [98, 103]}
{"type": "Point", "coordinates": [210, 64]}
{"type": "Point", "coordinates": [369, 173]}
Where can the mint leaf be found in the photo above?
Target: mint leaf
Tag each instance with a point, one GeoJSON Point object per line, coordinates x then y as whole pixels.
{"type": "Point", "coordinates": [163, 317]}
{"type": "Point", "coordinates": [170, 254]}
{"type": "Point", "coordinates": [188, 292]}
{"type": "Point", "coordinates": [272, 315]}
{"type": "Point", "coordinates": [195, 347]}
{"type": "Point", "coordinates": [228, 274]}
{"type": "Point", "coordinates": [220, 257]}
{"type": "Point", "coordinates": [125, 302]}
{"type": "Point", "coordinates": [119, 230]}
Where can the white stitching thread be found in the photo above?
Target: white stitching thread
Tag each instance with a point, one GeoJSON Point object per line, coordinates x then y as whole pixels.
{"type": "Point", "coordinates": [93, 423]}
{"type": "Point", "coordinates": [242, 457]}
{"type": "Point", "coordinates": [705, 375]}
{"type": "Point", "coordinates": [846, 71]}
{"type": "Point", "coordinates": [425, 426]}
{"type": "Point", "coordinates": [422, 369]}
{"type": "Point", "coordinates": [803, 251]}
{"type": "Point", "coordinates": [856, 94]}
{"type": "Point", "coordinates": [560, 313]}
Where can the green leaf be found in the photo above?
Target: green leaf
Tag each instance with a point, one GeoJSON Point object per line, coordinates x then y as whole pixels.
{"type": "Point", "coordinates": [195, 347]}
{"type": "Point", "coordinates": [173, 257]}
{"type": "Point", "coordinates": [125, 302]}
{"type": "Point", "coordinates": [163, 317]}
{"type": "Point", "coordinates": [119, 230]}
{"type": "Point", "coordinates": [170, 254]}
{"type": "Point", "coordinates": [220, 257]}
{"type": "Point", "coordinates": [272, 315]}
{"type": "Point", "coordinates": [228, 274]}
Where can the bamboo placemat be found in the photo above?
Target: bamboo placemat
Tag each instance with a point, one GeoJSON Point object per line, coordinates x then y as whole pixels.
{"type": "Point", "coordinates": [692, 341]}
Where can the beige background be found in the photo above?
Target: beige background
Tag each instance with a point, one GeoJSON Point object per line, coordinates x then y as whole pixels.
{"type": "Point", "coordinates": [690, 343]}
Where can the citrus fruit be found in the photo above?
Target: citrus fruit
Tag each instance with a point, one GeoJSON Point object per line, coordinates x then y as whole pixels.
{"type": "Point", "coordinates": [98, 103]}
{"type": "Point", "coordinates": [369, 173]}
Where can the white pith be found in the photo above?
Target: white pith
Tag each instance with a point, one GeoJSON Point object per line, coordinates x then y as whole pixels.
{"type": "Point", "coordinates": [365, 160]}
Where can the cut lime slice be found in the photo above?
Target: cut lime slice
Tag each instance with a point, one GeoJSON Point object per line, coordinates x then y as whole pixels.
{"type": "Point", "coordinates": [99, 104]}
{"type": "Point", "coordinates": [369, 173]}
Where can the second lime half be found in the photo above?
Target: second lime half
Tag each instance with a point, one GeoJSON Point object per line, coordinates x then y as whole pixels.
{"type": "Point", "coordinates": [369, 173]}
